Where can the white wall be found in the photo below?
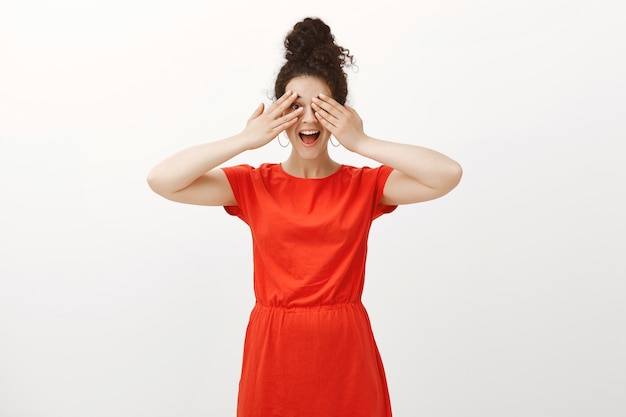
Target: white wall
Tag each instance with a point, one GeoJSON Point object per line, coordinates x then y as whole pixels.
{"type": "Point", "coordinates": [504, 298]}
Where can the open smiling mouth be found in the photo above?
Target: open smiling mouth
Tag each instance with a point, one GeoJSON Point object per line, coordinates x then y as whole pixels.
{"type": "Point", "coordinates": [309, 136]}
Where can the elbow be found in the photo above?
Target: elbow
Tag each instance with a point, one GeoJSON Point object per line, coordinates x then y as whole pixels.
{"type": "Point", "coordinates": [155, 182]}
{"type": "Point", "coordinates": [151, 179]}
{"type": "Point", "coordinates": [453, 177]}
{"type": "Point", "coordinates": [456, 173]}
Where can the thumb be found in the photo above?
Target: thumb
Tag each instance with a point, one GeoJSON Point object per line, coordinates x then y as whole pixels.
{"type": "Point", "coordinates": [257, 112]}
{"type": "Point", "coordinates": [350, 109]}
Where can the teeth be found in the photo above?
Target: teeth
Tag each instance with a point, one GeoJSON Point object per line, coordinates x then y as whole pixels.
{"type": "Point", "coordinates": [309, 132]}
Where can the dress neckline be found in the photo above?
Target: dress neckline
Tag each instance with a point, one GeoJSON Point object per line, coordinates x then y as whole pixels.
{"type": "Point", "coordinates": [285, 173]}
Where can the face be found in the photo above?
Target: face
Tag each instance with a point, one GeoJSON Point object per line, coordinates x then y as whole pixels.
{"type": "Point", "coordinates": [308, 137]}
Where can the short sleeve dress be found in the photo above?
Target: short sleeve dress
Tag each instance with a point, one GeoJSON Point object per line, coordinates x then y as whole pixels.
{"type": "Point", "coordinates": [309, 349]}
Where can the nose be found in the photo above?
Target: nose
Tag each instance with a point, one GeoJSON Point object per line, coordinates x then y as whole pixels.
{"type": "Point", "coordinates": [308, 114]}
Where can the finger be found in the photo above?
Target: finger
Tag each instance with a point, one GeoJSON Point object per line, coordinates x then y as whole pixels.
{"type": "Point", "coordinates": [279, 101]}
{"type": "Point", "coordinates": [283, 102]}
{"type": "Point", "coordinates": [330, 103]}
{"type": "Point", "coordinates": [291, 116]}
{"type": "Point", "coordinates": [282, 107]}
{"type": "Point", "coordinates": [257, 112]}
{"type": "Point", "coordinates": [284, 125]}
{"type": "Point", "coordinates": [327, 109]}
{"type": "Point", "coordinates": [325, 114]}
{"type": "Point", "coordinates": [328, 125]}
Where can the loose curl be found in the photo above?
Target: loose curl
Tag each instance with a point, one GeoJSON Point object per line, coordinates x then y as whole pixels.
{"type": "Point", "coordinates": [310, 50]}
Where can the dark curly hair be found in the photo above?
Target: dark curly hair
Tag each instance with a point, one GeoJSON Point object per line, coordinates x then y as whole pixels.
{"type": "Point", "coordinates": [310, 49]}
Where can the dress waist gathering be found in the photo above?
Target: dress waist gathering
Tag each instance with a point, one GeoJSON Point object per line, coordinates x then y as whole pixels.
{"type": "Point", "coordinates": [309, 308]}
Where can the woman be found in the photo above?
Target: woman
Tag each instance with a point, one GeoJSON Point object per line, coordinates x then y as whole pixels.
{"type": "Point", "coordinates": [309, 348]}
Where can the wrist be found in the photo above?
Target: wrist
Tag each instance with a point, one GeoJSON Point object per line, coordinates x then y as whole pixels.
{"type": "Point", "coordinates": [360, 144]}
{"type": "Point", "coordinates": [244, 141]}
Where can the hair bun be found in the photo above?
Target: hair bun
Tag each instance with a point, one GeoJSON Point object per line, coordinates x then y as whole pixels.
{"type": "Point", "coordinates": [310, 50]}
{"type": "Point", "coordinates": [312, 42]}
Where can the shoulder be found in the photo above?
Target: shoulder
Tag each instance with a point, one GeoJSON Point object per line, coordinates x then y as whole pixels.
{"type": "Point", "coordinates": [366, 172]}
{"type": "Point", "coordinates": [249, 170]}
{"type": "Point", "coordinates": [236, 170]}
{"type": "Point", "coordinates": [244, 173]}
{"type": "Point", "coordinates": [263, 169]}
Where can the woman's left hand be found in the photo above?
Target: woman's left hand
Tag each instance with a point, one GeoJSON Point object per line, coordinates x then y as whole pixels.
{"type": "Point", "coordinates": [342, 121]}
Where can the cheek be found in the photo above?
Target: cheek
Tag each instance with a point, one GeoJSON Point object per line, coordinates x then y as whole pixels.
{"type": "Point", "coordinates": [291, 132]}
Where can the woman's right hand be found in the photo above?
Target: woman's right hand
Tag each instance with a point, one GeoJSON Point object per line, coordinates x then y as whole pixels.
{"type": "Point", "coordinates": [262, 127]}
{"type": "Point", "coordinates": [190, 176]}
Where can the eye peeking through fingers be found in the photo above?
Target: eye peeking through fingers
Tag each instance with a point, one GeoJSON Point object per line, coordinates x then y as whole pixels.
{"type": "Point", "coordinates": [292, 108]}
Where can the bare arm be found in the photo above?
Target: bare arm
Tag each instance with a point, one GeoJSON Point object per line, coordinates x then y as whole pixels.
{"type": "Point", "coordinates": [420, 174]}
{"type": "Point", "coordinates": [190, 176]}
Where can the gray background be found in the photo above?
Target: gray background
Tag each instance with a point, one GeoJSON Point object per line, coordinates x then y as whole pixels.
{"type": "Point", "coordinates": [504, 298]}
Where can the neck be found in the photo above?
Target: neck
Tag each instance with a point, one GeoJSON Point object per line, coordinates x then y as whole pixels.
{"type": "Point", "coordinates": [310, 168]}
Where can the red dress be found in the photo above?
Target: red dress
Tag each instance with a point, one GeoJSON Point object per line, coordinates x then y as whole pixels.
{"type": "Point", "coordinates": [309, 349]}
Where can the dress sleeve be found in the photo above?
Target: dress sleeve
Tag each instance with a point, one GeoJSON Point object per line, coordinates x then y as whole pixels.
{"type": "Point", "coordinates": [241, 183]}
{"type": "Point", "coordinates": [383, 173]}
